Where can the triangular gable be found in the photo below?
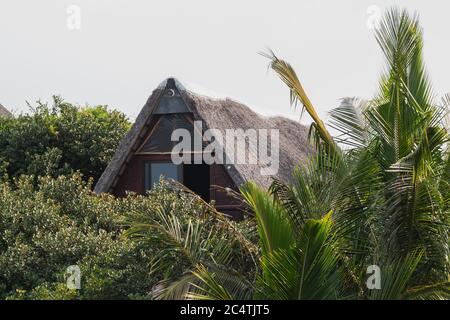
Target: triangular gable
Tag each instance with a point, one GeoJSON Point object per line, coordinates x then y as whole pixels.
{"type": "Point", "coordinates": [168, 98]}
{"type": "Point", "coordinates": [171, 100]}
{"type": "Point", "coordinates": [159, 138]}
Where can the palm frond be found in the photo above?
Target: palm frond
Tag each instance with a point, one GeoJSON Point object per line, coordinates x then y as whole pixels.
{"type": "Point", "coordinates": [173, 289]}
{"type": "Point", "coordinates": [348, 120]}
{"type": "Point", "coordinates": [274, 226]}
{"type": "Point", "coordinates": [216, 284]}
{"type": "Point", "coordinates": [308, 271]}
{"type": "Point", "coordinates": [298, 94]}
{"type": "Point", "coordinates": [438, 291]}
{"type": "Point", "coordinates": [395, 276]}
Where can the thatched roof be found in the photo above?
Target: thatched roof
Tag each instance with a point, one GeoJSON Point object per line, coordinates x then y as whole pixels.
{"type": "Point", "coordinates": [4, 112]}
{"type": "Point", "coordinates": [218, 114]}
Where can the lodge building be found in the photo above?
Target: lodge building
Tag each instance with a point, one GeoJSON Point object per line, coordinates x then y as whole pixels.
{"type": "Point", "coordinates": [145, 153]}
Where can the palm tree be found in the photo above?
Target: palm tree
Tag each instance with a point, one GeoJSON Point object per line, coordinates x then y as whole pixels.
{"type": "Point", "coordinates": [183, 235]}
{"type": "Point", "coordinates": [377, 194]}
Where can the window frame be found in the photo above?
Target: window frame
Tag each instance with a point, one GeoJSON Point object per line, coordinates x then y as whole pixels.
{"type": "Point", "coordinates": [148, 172]}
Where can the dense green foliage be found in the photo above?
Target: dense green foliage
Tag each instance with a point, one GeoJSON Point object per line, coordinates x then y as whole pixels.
{"type": "Point", "coordinates": [200, 237]}
{"type": "Point", "coordinates": [377, 194]}
{"type": "Point", "coordinates": [59, 139]}
{"type": "Point", "coordinates": [46, 228]}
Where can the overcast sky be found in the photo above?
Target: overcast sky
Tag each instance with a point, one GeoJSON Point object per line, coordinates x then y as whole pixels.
{"type": "Point", "coordinates": [125, 48]}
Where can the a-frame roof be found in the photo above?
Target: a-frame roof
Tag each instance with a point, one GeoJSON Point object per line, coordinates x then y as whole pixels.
{"type": "Point", "coordinates": [220, 114]}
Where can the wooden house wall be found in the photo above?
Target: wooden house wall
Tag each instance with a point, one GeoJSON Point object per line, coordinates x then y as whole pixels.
{"type": "Point", "coordinates": [132, 179]}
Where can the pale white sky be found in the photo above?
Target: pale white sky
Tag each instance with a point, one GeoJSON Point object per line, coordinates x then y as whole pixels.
{"type": "Point", "coordinates": [125, 48]}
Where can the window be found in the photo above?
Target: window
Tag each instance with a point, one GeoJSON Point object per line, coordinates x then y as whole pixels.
{"type": "Point", "coordinates": [168, 170]}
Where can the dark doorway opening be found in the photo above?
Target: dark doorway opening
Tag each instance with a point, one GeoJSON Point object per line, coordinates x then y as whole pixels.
{"type": "Point", "coordinates": [196, 178]}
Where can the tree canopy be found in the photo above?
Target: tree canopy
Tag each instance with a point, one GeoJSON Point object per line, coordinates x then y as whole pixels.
{"type": "Point", "coordinates": [59, 139]}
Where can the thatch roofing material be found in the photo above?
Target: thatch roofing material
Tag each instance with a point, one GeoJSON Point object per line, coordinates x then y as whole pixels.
{"type": "Point", "coordinates": [4, 112]}
{"type": "Point", "coordinates": [225, 114]}
{"type": "Point", "coordinates": [220, 114]}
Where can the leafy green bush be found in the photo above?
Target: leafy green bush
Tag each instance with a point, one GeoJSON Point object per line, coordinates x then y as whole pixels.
{"type": "Point", "coordinates": [44, 230]}
{"type": "Point", "coordinates": [56, 223]}
{"type": "Point", "coordinates": [61, 138]}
